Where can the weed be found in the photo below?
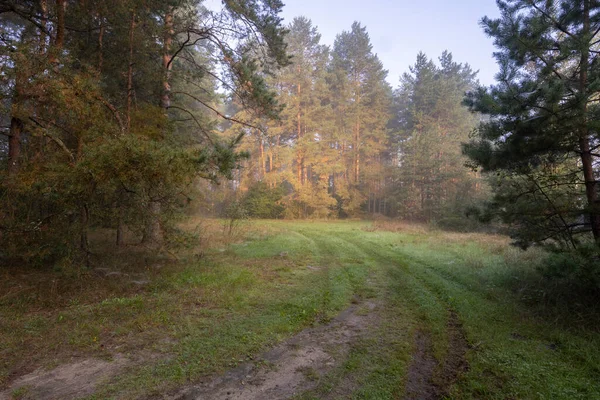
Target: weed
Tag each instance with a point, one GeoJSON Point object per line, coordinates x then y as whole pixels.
{"type": "Point", "coordinates": [20, 393]}
{"type": "Point", "coordinates": [309, 373]}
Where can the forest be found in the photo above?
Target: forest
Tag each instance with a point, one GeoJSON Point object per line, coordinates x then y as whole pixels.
{"type": "Point", "coordinates": [145, 133]}
{"type": "Point", "coordinates": [274, 125]}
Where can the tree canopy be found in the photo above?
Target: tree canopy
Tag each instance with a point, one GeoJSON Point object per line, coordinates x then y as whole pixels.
{"type": "Point", "coordinates": [541, 138]}
{"type": "Point", "coordinates": [110, 106]}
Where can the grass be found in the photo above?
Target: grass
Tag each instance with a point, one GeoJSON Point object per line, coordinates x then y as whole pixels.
{"type": "Point", "coordinates": [219, 306]}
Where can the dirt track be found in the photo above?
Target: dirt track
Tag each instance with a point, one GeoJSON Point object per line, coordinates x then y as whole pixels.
{"type": "Point", "coordinates": [292, 367]}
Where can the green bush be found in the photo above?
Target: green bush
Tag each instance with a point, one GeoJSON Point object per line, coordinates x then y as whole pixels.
{"type": "Point", "coordinates": [577, 268]}
{"type": "Point", "coordinates": [261, 201]}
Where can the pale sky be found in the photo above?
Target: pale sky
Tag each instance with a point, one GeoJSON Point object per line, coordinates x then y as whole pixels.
{"type": "Point", "coordinates": [399, 29]}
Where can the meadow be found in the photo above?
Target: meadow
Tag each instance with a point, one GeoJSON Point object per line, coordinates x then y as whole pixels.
{"type": "Point", "coordinates": [446, 315]}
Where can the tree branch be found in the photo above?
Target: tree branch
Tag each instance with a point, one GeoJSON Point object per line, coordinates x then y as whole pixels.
{"type": "Point", "coordinates": [56, 140]}
{"type": "Point", "coordinates": [220, 114]}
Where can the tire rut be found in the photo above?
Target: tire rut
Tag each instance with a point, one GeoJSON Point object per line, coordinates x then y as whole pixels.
{"type": "Point", "coordinates": [428, 378]}
{"type": "Point", "coordinates": [293, 366]}
{"type": "Point", "coordinates": [420, 383]}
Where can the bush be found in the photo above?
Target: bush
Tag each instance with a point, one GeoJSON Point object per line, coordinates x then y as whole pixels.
{"type": "Point", "coordinates": [579, 268]}
{"type": "Point", "coordinates": [261, 201]}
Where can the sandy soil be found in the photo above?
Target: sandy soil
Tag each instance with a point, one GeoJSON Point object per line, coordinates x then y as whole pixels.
{"type": "Point", "coordinates": [68, 381]}
{"type": "Point", "coordinates": [292, 367]}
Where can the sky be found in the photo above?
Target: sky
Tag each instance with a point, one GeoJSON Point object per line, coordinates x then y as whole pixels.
{"type": "Point", "coordinates": [399, 29]}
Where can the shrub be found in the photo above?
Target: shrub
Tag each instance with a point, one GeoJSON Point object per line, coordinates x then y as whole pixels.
{"type": "Point", "coordinates": [577, 268]}
{"type": "Point", "coordinates": [261, 201]}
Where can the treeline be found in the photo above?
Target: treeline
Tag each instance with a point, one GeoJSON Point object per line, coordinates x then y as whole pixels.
{"type": "Point", "coordinates": [347, 144]}
{"type": "Point", "coordinates": [108, 109]}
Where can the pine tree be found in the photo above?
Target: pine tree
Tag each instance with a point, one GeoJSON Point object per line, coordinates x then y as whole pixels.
{"type": "Point", "coordinates": [431, 180]}
{"type": "Point", "coordinates": [305, 119]}
{"type": "Point", "coordinates": [361, 99]}
{"type": "Point", "coordinates": [542, 135]}
{"type": "Point", "coordinates": [293, 150]}
{"type": "Point", "coordinates": [104, 128]}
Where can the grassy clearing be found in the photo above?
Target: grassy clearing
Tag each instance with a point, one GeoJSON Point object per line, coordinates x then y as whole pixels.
{"type": "Point", "coordinates": [518, 349]}
{"type": "Point", "coordinates": [188, 318]}
{"type": "Point", "coordinates": [193, 317]}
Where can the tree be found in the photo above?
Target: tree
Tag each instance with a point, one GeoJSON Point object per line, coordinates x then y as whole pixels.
{"type": "Point", "coordinates": [101, 138]}
{"type": "Point", "coordinates": [293, 150]}
{"type": "Point", "coordinates": [542, 135]}
{"type": "Point", "coordinates": [430, 180]}
{"type": "Point", "coordinates": [361, 100]}
{"type": "Point", "coordinates": [306, 118]}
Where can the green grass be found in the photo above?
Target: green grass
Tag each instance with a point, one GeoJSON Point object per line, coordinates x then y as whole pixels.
{"type": "Point", "coordinates": [200, 316]}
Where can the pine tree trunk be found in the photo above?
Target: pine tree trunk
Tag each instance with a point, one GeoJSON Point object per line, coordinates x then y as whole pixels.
{"type": "Point", "coordinates": [153, 233]}
{"type": "Point", "coordinates": [60, 24]}
{"type": "Point", "coordinates": [101, 47]}
{"type": "Point", "coordinates": [14, 145]}
{"type": "Point", "coordinates": [584, 135]}
{"type": "Point", "coordinates": [130, 72]}
{"type": "Point", "coordinates": [59, 38]}
{"type": "Point", "coordinates": [357, 147]}
{"type": "Point", "coordinates": [16, 124]}
{"type": "Point", "coordinates": [299, 160]}
{"type": "Point", "coordinates": [357, 136]}
{"type": "Point", "coordinates": [43, 36]}
{"type": "Point", "coordinates": [263, 159]}
{"type": "Point", "coordinates": [166, 62]}
{"type": "Point", "coordinates": [304, 173]}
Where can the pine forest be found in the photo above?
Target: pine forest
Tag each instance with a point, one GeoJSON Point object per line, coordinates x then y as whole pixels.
{"type": "Point", "coordinates": [221, 199]}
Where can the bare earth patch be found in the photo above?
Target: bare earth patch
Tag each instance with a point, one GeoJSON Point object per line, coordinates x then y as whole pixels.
{"type": "Point", "coordinates": [69, 381]}
{"type": "Point", "coordinates": [427, 379]}
{"type": "Point", "coordinates": [456, 362]}
{"type": "Point", "coordinates": [290, 368]}
{"type": "Point", "coordinates": [293, 366]}
{"type": "Point", "coordinates": [420, 384]}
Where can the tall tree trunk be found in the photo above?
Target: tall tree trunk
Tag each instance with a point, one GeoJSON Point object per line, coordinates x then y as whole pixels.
{"type": "Point", "coordinates": [357, 137]}
{"type": "Point", "coordinates": [14, 144]}
{"type": "Point", "coordinates": [584, 135]}
{"type": "Point", "coordinates": [130, 72]}
{"type": "Point", "coordinates": [16, 124]}
{"type": "Point", "coordinates": [59, 38]}
{"type": "Point", "coordinates": [165, 102]}
{"type": "Point", "coordinates": [304, 173]}
{"type": "Point", "coordinates": [101, 46]}
{"type": "Point", "coordinates": [299, 169]}
{"type": "Point", "coordinates": [153, 233]}
{"type": "Point", "coordinates": [263, 159]}
{"type": "Point", "coordinates": [60, 24]}
{"type": "Point", "coordinates": [299, 158]}
{"type": "Point", "coordinates": [331, 184]}
{"type": "Point", "coordinates": [43, 23]}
